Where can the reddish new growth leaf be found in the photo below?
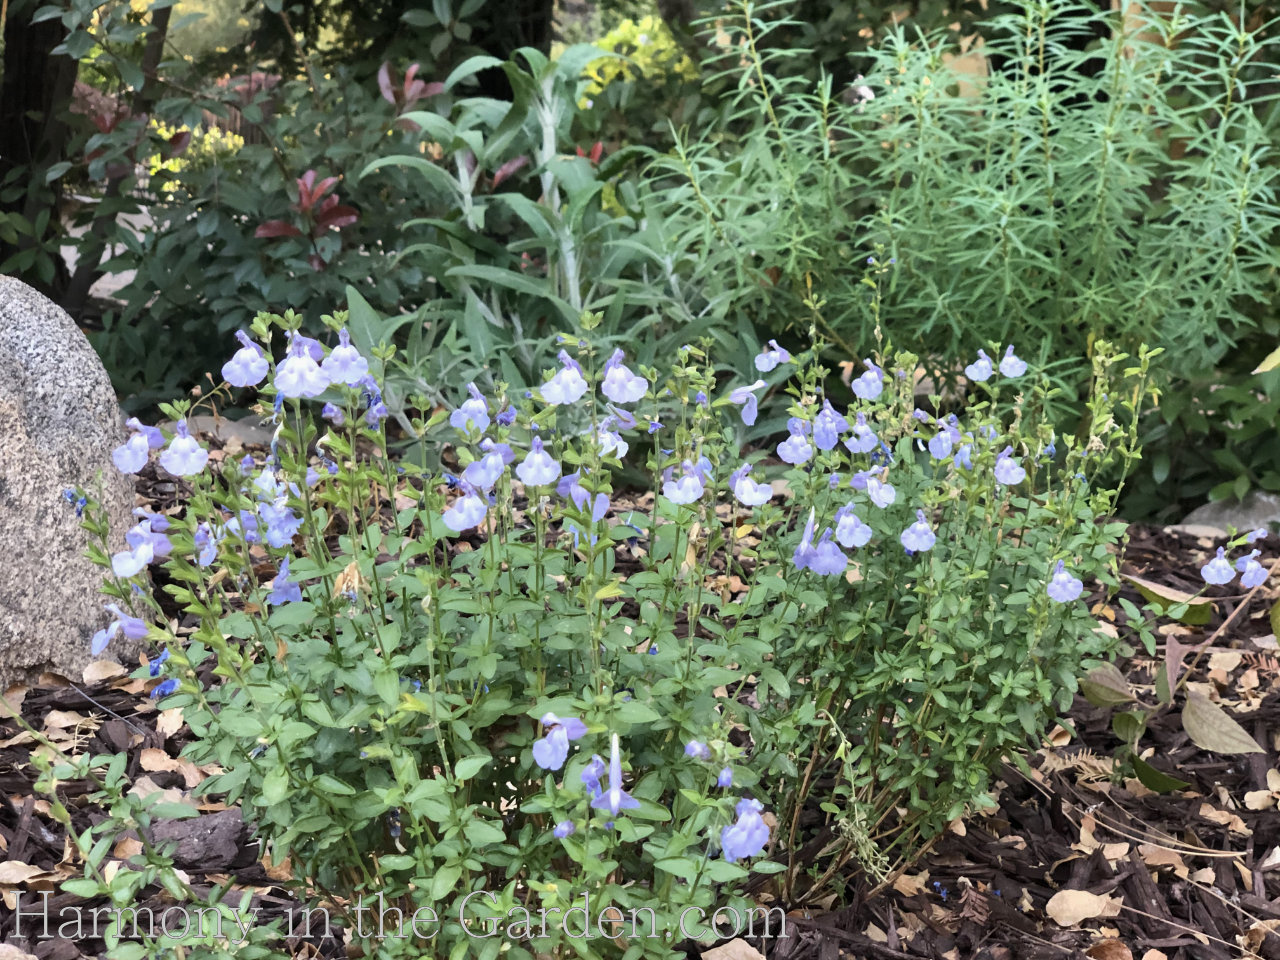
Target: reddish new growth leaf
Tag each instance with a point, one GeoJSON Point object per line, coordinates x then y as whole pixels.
{"type": "Point", "coordinates": [276, 228]}
{"type": "Point", "coordinates": [597, 151]}
{"type": "Point", "coordinates": [309, 191]}
{"type": "Point", "coordinates": [179, 142]}
{"type": "Point", "coordinates": [405, 95]}
{"type": "Point", "coordinates": [335, 215]}
{"type": "Point", "coordinates": [508, 168]}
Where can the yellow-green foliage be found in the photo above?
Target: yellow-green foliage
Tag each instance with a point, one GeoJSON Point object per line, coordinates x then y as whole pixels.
{"type": "Point", "coordinates": [650, 50]}
{"type": "Point", "coordinates": [209, 146]}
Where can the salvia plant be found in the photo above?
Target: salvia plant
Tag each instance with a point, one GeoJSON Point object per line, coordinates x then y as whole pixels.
{"type": "Point", "coordinates": [483, 694]}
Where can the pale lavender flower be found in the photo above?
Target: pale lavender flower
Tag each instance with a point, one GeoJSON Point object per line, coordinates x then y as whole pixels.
{"type": "Point", "coordinates": [1253, 573]}
{"type": "Point", "coordinates": [688, 488]}
{"type": "Point", "coordinates": [1008, 471]}
{"type": "Point", "coordinates": [552, 749]}
{"type": "Point", "coordinates": [300, 374]}
{"type": "Point", "coordinates": [802, 556]}
{"type": "Point", "coordinates": [725, 780]}
{"type": "Point", "coordinates": [247, 366]}
{"type": "Point", "coordinates": [871, 384]}
{"type": "Point", "coordinates": [881, 493]}
{"type": "Point", "coordinates": [131, 456]}
{"type": "Point", "coordinates": [919, 536]}
{"type": "Point", "coordinates": [472, 413]}
{"type": "Point", "coordinates": [1011, 366]}
{"type": "Point", "coordinates": [1218, 571]}
{"type": "Point", "coordinates": [567, 386]}
{"type": "Point", "coordinates": [615, 799]}
{"type": "Point", "coordinates": [563, 829]}
{"type": "Point", "coordinates": [748, 835]}
{"type": "Point", "coordinates": [697, 750]}
{"type": "Point", "coordinates": [770, 358]}
{"type": "Point", "coordinates": [619, 384]}
{"type": "Point", "coordinates": [537, 468]}
{"type": "Point", "coordinates": [746, 490]}
{"type": "Point", "coordinates": [980, 369]}
{"type": "Point", "coordinates": [1256, 535]}
{"type": "Point", "coordinates": [827, 427]}
{"type": "Point", "coordinates": [155, 438]}
{"type": "Point", "coordinates": [284, 590]}
{"type": "Point", "coordinates": [344, 363]}
{"type": "Point", "coordinates": [485, 472]}
{"type": "Point", "coordinates": [745, 397]}
{"type": "Point", "coordinates": [184, 456]}
{"type": "Point", "coordinates": [795, 449]}
{"type": "Point", "coordinates": [864, 439]}
{"type": "Point", "coordinates": [467, 511]}
{"type": "Point", "coordinates": [827, 559]}
{"type": "Point", "coordinates": [850, 530]}
{"type": "Point", "coordinates": [1063, 587]}
{"type": "Point", "coordinates": [333, 413]}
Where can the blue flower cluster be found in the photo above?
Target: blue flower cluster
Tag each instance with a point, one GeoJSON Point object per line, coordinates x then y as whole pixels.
{"type": "Point", "coordinates": [1220, 572]}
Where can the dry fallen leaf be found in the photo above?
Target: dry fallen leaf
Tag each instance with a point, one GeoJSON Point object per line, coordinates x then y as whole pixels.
{"type": "Point", "coordinates": [1154, 954]}
{"type": "Point", "coordinates": [734, 950]}
{"type": "Point", "coordinates": [100, 670]}
{"type": "Point", "coordinates": [1109, 950]}
{"type": "Point", "coordinates": [1225, 818]}
{"type": "Point", "coordinates": [910, 884]}
{"type": "Point", "coordinates": [9, 952]}
{"type": "Point", "coordinates": [1068, 907]}
{"type": "Point", "coordinates": [13, 872]}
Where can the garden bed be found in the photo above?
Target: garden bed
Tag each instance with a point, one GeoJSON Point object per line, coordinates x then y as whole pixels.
{"type": "Point", "coordinates": [1194, 873]}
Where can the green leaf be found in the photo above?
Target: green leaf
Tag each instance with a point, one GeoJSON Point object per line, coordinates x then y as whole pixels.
{"type": "Point", "coordinates": [1106, 686]}
{"type": "Point", "coordinates": [1209, 727]}
{"type": "Point", "coordinates": [57, 170]}
{"type": "Point", "coordinates": [327, 783]}
{"type": "Point", "coordinates": [469, 68]}
{"type": "Point", "coordinates": [1129, 725]}
{"type": "Point", "coordinates": [82, 888]}
{"type": "Point", "coordinates": [1153, 779]}
{"type": "Point", "coordinates": [1198, 611]}
{"type": "Point", "coordinates": [468, 767]}
{"type": "Point", "coordinates": [275, 786]}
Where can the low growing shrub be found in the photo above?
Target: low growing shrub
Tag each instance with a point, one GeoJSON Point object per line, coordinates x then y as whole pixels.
{"type": "Point", "coordinates": [480, 695]}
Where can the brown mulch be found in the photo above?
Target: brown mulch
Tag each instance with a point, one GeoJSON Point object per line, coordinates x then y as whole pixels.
{"type": "Point", "coordinates": [1193, 874]}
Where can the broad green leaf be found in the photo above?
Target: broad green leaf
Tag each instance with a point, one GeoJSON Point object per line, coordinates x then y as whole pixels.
{"type": "Point", "coordinates": [1153, 779]}
{"type": "Point", "coordinates": [1209, 727]}
{"type": "Point", "coordinates": [1198, 609]}
{"type": "Point", "coordinates": [468, 767]}
{"type": "Point", "coordinates": [1270, 362]}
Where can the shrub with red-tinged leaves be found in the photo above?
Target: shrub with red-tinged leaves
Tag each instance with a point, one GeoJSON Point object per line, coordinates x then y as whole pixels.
{"type": "Point", "coordinates": [320, 211]}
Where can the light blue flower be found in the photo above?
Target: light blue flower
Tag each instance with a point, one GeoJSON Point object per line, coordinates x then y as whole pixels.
{"type": "Point", "coordinates": [133, 628]}
{"type": "Point", "coordinates": [552, 749]}
{"type": "Point", "coordinates": [610, 441]}
{"type": "Point", "coordinates": [1011, 366]}
{"type": "Point", "coordinates": [344, 363]}
{"type": "Point", "coordinates": [850, 530]}
{"type": "Point", "coordinates": [881, 493]}
{"type": "Point", "coordinates": [795, 450]}
{"type": "Point", "coordinates": [591, 775]}
{"type": "Point", "coordinates": [1256, 535]}
{"type": "Point", "coordinates": [537, 469]}
{"type": "Point", "coordinates": [333, 413]}
{"type": "Point", "coordinates": [746, 490]}
{"type": "Point", "coordinates": [485, 472]}
{"type": "Point", "coordinates": [748, 835]}
{"type": "Point", "coordinates": [282, 523]}
{"type": "Point", "coordinates": [864, 439]}
{"type": "Point", "coordinates": [697, 750]}
{"type": "Point", "coordinates": [941, 443]}
{"type": "Point", "coordinates": [871, 384]}
{"type": "Point", "coordinates": [803, 553]}
{"type": "Point", "coordinates": [615, 799]}
{"type": "Point", "coordinates": [745, 397]}
{"type": "Point", "coordinates": [567, 386]}
{"type": "Point", "coordinates": [467, 511]}
{"type": "Point", "coordinates": [206, 544]}
{"type": "Point", "coordinates": [827, 427]}
{"type": "Point", "coordinates": [981, 369]}
{"type": "Point", "coordinates": [472, 413]}
{"type": "Point", "coordinates": [300, 374]}
{"type": "Point", "coordinates": [1008, 471]}
{"type": "Point", "coordinates": [826, 559]}
{"type": "Point", "coordinates": [284, 590]}
{"type": "Point", "coordinates": [155, 438]}
{"type": "Point", "coordinates": [619, 384]}
{"type": "Point", "coordinates": [1253, 573]}
{"type": "Point", "coordinates": [688, 488]}
{"type": "Point", "coordinates": [1218, 571]}
{"type": "Point", "coordinates": [1063, 587]}
{"type": "Point", "coordinates": [247, 366]}
{"type": "Point", "coordinates": [131, 456]}
{"type": "Point", "coordinates": [919, 536]}
{"type": "Point", "coordinates": [770, 358]}
{"type": "Point", "coordinates": [725, 780]}
{"type": "Point", "coordinates": [184, 456]}
{"type": "Point", "coordinates": [131, 562]}
{"type": "Point", "coordinates": [563, 829]}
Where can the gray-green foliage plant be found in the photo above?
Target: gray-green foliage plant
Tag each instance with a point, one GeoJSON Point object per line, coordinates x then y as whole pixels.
{"type": "Point", "coordinates": [420, 674]}
{"type": "Point", "coordinates": [1120, 188]}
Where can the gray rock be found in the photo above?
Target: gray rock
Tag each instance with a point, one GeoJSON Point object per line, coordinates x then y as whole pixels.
{"type": "Point", "coordinates": [1257, 509]}
{"type": "Point", "coordinates": [59, 422]}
